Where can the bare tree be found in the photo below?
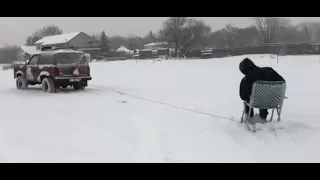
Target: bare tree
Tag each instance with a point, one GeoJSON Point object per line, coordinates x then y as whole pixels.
{"type": "Point", "coordinates": [269, 26]}
{"type": "Point", "coordinates": [133, 46]}
{"type": "Point", "coordinates": [193, 33]}
{"type": "Point", "coordinates": [248, 36]}
{"type": "Point", "coordinates": [317, 36]}
{"type": "Point", "coordinates": [231, 37]}
{"type": "Point", "coordinates": [290, 34]}
{"type": "Point", "coordinates": [231, 32]}
{"type": "Point", "coordinates": [183, 32]}
{"type": "Point", "coordinates": [47, 31]}
{"type": "Point", "coordinates": [43, 32]}
{"type": "Point", "coordinates": [150, 38]}
{"type": "Point", "coordinates": [31, 40]}
{"type": "Point", "coordinates": [172, 31]}
{"type": "Point", "coordinates": [307, 34]}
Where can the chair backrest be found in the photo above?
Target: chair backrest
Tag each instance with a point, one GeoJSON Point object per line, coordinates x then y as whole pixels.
{"type": "Point", "coordinates": [268, 94]}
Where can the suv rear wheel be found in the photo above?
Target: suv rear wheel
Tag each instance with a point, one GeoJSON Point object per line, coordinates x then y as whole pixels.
{"type": "Point", "coordinates": [21, 83]}
{"type": "Point", "coordinates": [48, 85]}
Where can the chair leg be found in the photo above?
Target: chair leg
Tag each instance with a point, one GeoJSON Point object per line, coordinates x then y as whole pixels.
{"type": "Point", "coordinates": [243, 112]}
{"type": "Point", "coordinates": [279, 113]}
{"type": "Point", "coordinates": [242, 116]}
{"type": "Point", "coordinates": [272, 115]}
{"type": "Point", "coordinates": [249, 113]}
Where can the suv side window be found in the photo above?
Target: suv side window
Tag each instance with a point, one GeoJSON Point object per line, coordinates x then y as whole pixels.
{"type": "Point", "coordinates": [46, 59]}
{"type": "Point", "coordinates": [40, 60]}
{"type": "Point", "coordinates": [34, 60]}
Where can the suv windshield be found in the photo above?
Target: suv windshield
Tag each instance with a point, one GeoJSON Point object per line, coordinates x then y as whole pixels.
{"type": "Point", "coordinates": [70, 58]}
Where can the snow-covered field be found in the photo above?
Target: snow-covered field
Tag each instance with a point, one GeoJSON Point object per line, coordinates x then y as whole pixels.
{"type": "Point", "coordinates": [134, 113]}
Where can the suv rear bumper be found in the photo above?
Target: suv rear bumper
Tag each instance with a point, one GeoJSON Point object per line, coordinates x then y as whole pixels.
{"type": "Point", "coordinates": [69, 80]}
{"type": "Point", "coordinates": [72, 78]}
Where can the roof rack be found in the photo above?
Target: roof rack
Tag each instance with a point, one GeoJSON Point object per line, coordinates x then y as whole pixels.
{"type": "Point", "coordinates": [53, 48]}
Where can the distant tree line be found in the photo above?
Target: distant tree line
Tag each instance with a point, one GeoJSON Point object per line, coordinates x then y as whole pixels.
{"type": "Point", "coordinates": [184, 34]}
{"type": "Point", "coordinates": [8, 54]}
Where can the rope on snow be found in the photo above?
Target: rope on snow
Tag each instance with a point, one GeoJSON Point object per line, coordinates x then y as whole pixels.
{"type": "Point", "coordinates": [170, 105]}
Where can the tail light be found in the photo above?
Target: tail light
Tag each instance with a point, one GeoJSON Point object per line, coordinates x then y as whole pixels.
{"type": "Point", "coordinates": [85, 71]}
{"type": "Point", "coordinates": [88, 71]}
{"type": "Point", "coordinates": [56, 72]}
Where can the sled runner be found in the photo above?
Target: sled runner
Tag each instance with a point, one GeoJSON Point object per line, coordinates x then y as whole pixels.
{"type": "Point", "coordinates": [264, 95]}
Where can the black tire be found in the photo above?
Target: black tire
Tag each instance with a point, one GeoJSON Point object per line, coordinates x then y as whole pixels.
{"type": "Point", "coordinates": [48, 85]}
{"type": "Point", "coordinates": [21, 83]}
{"type": "Point", "coordinates": [78, 86]}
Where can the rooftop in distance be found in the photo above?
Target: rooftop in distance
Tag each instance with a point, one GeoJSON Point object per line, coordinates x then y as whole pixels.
{"type": "Point", "coordinates": [57, 39]}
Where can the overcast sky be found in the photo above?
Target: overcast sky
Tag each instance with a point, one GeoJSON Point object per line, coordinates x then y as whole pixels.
{"type": "Point", "coordinates": [14, 30]}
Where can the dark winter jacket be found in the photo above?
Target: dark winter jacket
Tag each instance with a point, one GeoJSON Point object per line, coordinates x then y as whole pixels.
{"type": "Point", "coordinates": [254, 73]}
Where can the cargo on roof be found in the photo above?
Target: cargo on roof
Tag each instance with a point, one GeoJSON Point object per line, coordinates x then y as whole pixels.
{"type": "Point", "coordinates": [62, 51]}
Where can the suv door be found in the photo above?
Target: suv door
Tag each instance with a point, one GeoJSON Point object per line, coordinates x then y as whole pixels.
{"type": "Point", "coordinates": [33, 69]}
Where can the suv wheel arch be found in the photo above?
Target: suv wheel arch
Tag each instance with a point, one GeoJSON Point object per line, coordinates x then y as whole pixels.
{"type": "Point", "coordinates": [19, 73]}
{"type": "Point", "coordinates": [43, 75]}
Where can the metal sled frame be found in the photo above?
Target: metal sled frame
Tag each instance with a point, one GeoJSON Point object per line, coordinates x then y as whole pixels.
{"type": "Point", "coordinates": [265, 95]}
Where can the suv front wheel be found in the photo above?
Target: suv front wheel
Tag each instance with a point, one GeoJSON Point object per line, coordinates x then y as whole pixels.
{"type": "Point", "coordinates": [48, 85]}
{"type": "Point", "coordinates": [21, 83]}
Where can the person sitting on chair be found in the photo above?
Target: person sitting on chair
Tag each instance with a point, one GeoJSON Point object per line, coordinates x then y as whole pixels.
{"type": "Point", "coordinates": [252, 74]}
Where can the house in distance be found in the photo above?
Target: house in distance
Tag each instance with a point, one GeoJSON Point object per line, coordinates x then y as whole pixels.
{"type": "Point", "coordinates": [78, 40]}
{"type": "Point", "coordinates": [155, 49]}
{"type": "Point", "coordinates": [26, 52]}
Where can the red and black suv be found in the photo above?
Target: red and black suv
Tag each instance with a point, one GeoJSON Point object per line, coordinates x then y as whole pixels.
{"type": "Point", "coordinates": [54, 70]}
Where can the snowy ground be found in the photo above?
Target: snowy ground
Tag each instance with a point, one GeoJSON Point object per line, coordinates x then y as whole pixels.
{"type": "Point", "coordinates": [102, 125]}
